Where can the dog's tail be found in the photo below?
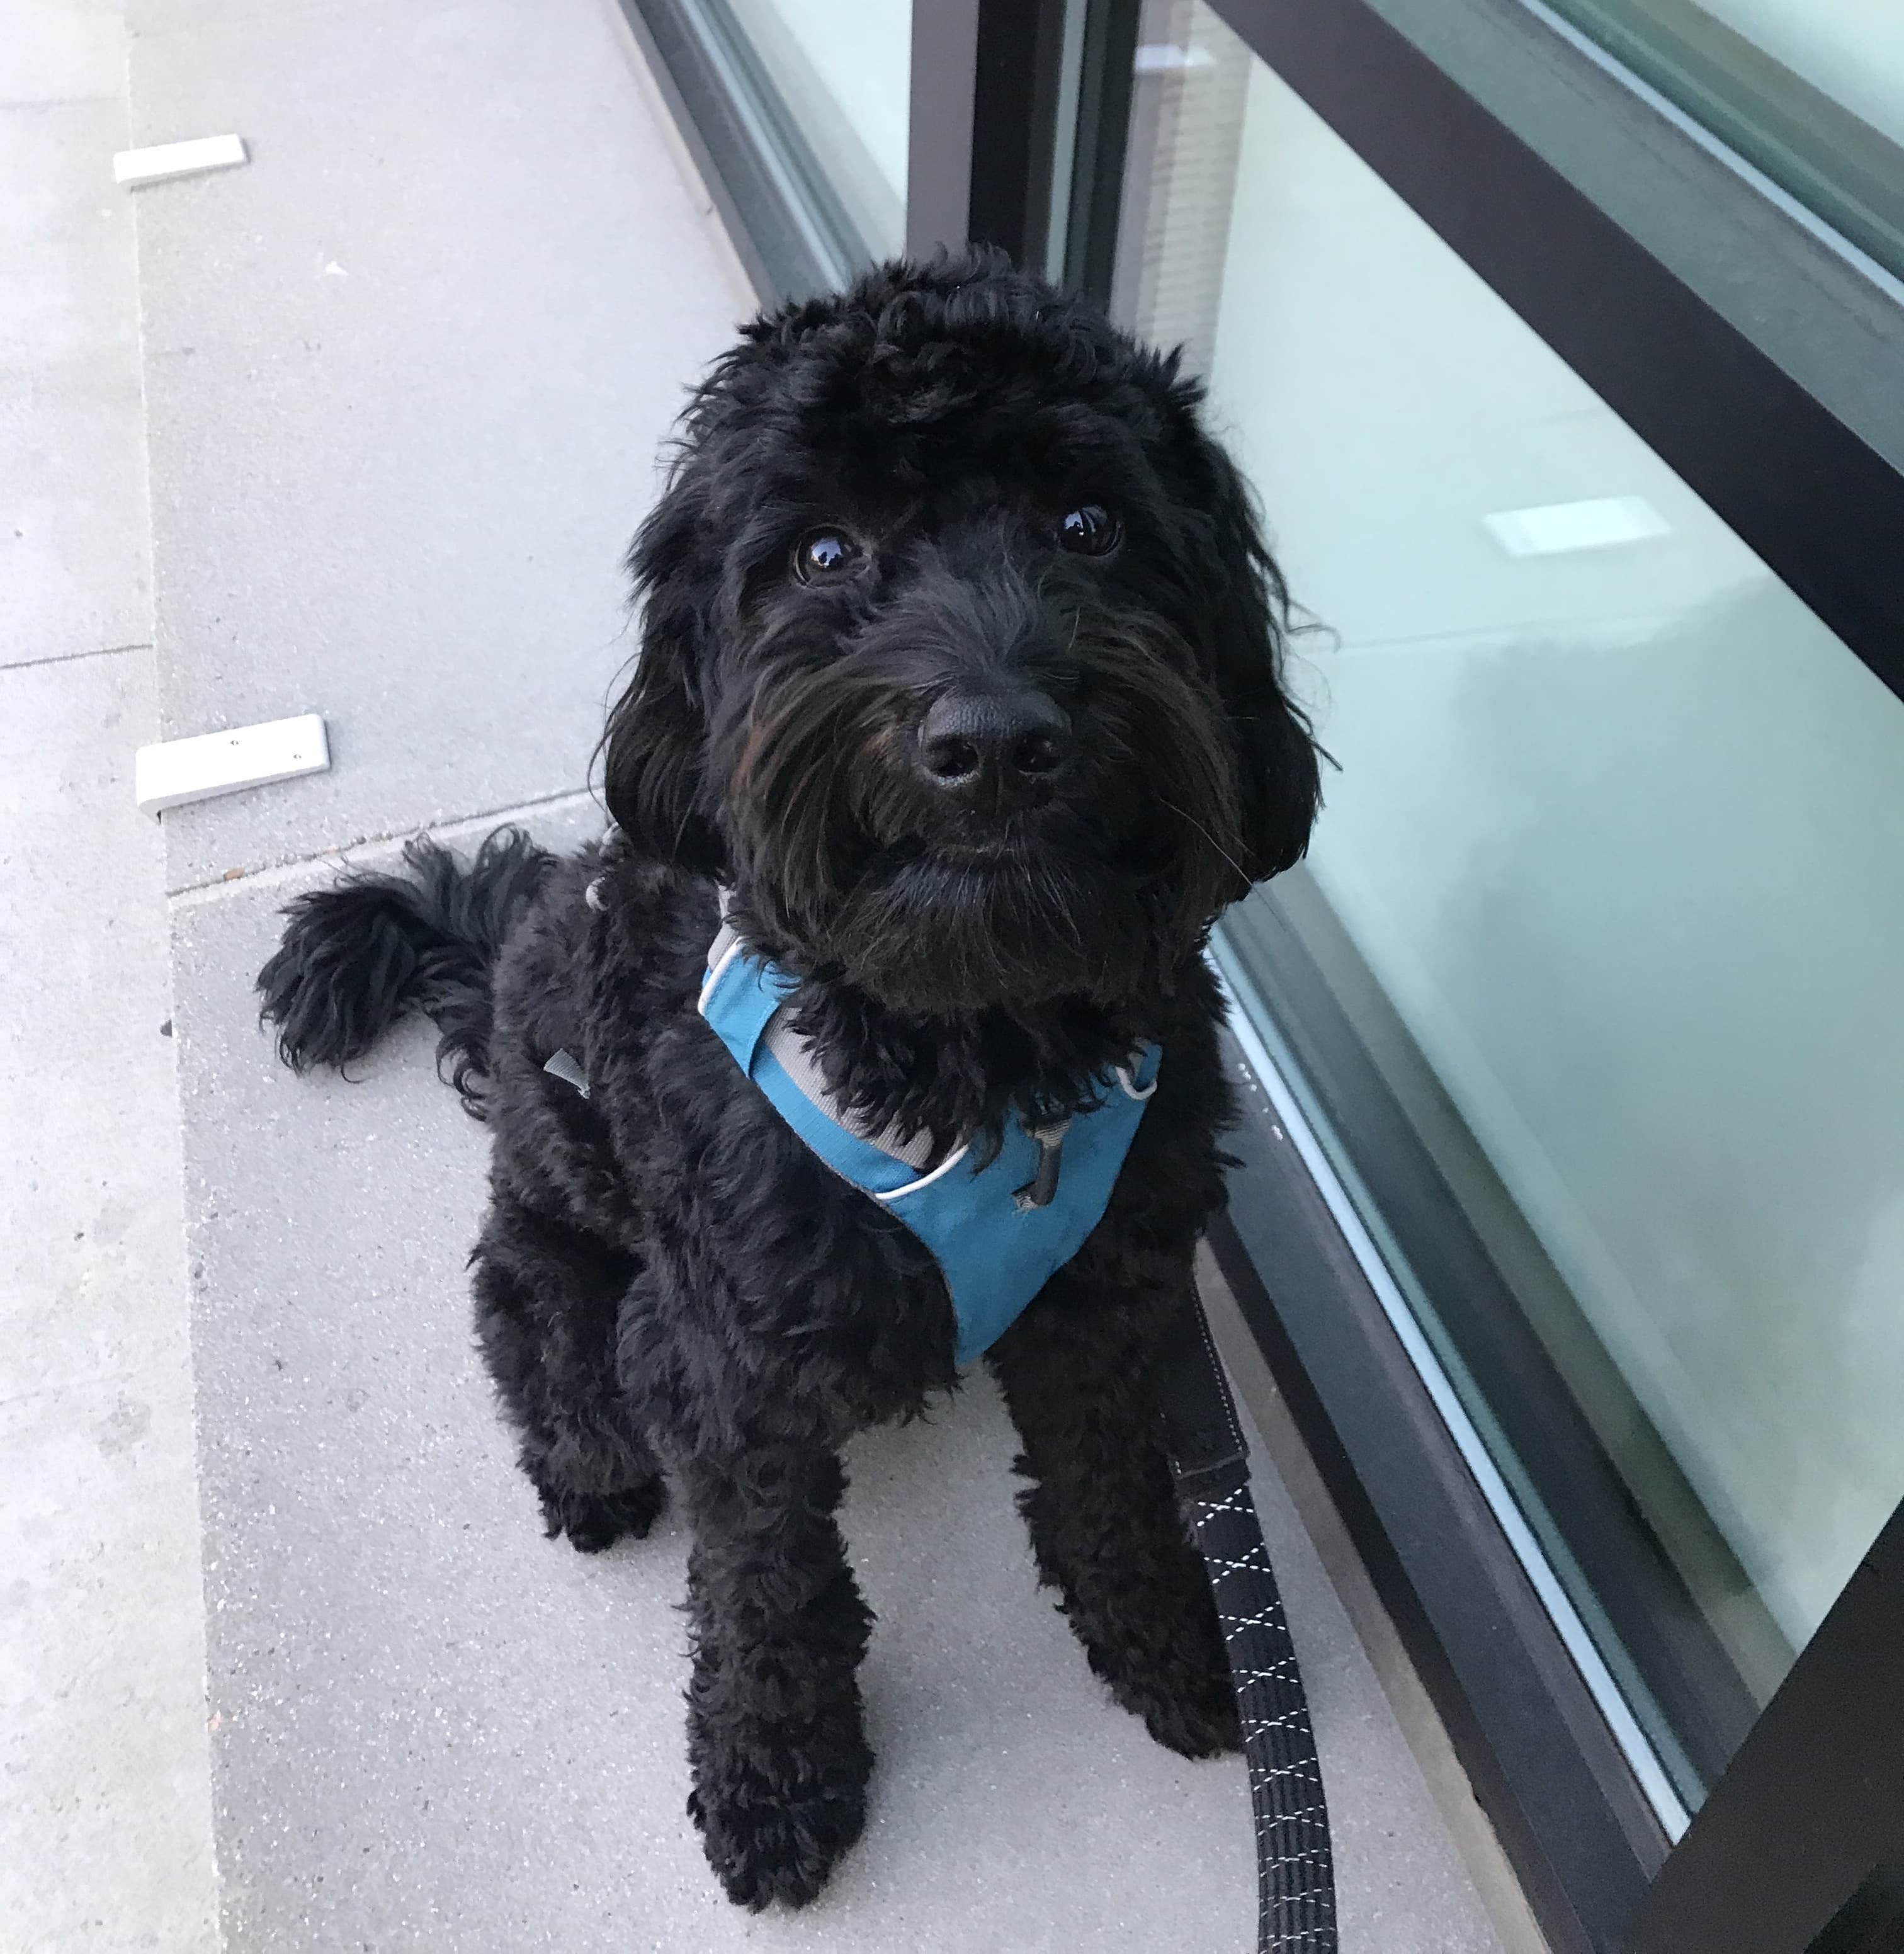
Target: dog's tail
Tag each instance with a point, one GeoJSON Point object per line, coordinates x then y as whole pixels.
{"type": "Point", "coordinates": [357, 957]}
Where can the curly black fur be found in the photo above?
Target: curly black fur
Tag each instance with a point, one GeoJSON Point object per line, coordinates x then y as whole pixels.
{"type": "Point", "coordinates": [357, 957]}
{"type": "Point", "coordinates": [667, 1281]}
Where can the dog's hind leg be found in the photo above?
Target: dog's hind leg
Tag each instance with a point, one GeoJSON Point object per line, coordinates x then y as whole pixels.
{"type": "Point", "coordinates": [775, 1732]}
{"type": "Point", "coordinates": [546, 1300]}
{"type": "Point", "coordinates": [1102, 1512]}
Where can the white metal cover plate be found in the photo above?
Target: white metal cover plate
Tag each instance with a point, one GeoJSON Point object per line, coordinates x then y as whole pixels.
{"type": "Point", "coordinates": [176, 159]}
{"type": "Point", "coordinates": [177, 771]}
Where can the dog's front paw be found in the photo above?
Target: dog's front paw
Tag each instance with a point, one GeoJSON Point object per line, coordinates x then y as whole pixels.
{"type": "Point", "coordinates": [1182, 1688]}
{"type": "Point", "coordinates": [775, 1823]}
{"type": "Point", "coordinates": [595, 1521]}
{"type": "Point", "coordinates": [1193, 1714]}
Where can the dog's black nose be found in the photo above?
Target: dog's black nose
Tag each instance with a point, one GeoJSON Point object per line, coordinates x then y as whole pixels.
{"type": "Point", "coordinates": [1015, 741]}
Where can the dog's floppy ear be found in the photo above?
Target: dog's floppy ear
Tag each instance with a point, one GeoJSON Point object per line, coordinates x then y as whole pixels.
{"type": "Point", "coordinates": [1279, 789]}
{"type": "Point", "coordinates": [654, 777]}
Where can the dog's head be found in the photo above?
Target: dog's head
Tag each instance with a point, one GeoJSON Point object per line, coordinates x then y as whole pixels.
{"type": "Point", "coordinates": [961, 652]}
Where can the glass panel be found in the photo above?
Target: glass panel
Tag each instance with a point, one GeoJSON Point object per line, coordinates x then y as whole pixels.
{"type": "Point", "coordinates": [834, 80]}
{"type": "Point", "coordinates": [1811, 91]}
{"type": "Point", "coordinates": [1590, 981]}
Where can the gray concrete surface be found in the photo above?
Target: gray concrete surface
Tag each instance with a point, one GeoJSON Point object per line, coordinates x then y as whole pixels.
{"type": "Point", "coordinates": [407, 373]}
{"type": "Point", "coordinates": [105, 1838]}
{"type": "Point", "coordinates": [73, 556]}
{"type": "Point", "coordinates": [105, 1832]}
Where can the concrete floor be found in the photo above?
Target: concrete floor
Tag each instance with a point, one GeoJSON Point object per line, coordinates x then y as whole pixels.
{"type": "Point", "coordinates": [404, 378]}
{"type": "Point", "coordinates": [106, 1817]}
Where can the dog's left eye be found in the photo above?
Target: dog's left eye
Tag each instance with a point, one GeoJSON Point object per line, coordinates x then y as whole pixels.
{"type": "Point", "coordinates": [1090, 530]}
{"type": "Point", "coordinates": [820, 556]}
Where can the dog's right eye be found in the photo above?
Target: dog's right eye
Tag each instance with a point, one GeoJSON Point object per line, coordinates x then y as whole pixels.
{"type": "Point", "coordinates": [1091, 530]}
{"type": "Point", "coordinates": [824, 556]}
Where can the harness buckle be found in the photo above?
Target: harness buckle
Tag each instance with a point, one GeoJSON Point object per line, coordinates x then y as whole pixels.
{"type": "Point", "coordinates": [1041, 1190]}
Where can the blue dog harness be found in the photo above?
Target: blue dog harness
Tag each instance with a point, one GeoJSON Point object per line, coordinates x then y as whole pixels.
{"type": "Point", "coordinates": [999, 1231]}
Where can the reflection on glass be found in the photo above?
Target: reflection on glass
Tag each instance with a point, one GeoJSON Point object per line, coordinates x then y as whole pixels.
{"type": "Point", "coordinates": [839, 76]}
{"type": "Point", "coordinates": [1591, 973]}
{"type": "Point", "coordinates": [1812, 91]}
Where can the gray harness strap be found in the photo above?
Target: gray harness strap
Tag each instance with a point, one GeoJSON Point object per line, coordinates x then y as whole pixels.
{"type": "Point", "coordinates": [563, 1065]}
{"type": "Point", "coordinates": [795, 1055]}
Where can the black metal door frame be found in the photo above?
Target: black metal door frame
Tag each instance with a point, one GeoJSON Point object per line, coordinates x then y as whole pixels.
{"type": "Point", "coordinates": [1800, 1847]}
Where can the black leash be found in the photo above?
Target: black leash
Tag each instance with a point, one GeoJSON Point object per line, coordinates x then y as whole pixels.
{"type": "Point", "coordinates": [1295, 1869]}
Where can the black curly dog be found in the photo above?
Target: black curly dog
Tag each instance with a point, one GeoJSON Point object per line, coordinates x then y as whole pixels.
{"type": "Point", "coordinates": [960, 674]}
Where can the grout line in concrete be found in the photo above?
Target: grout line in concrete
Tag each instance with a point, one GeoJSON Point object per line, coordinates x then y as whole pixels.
{"type": "Point", "coordinates": [369, 849]}
{"type": "Point", "coordinates": [82, 1380]}
{"type": "Point", "coordinates": [10, 105]}
{"type": "Point", "coordinates": [71, 658]}
{"type": "Point", "coordinates": [285, 14]}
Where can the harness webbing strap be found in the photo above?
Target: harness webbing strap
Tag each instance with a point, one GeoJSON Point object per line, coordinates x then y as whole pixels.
{"type": "Point", "coordinates": [797, 1059]}
{"type": "Point", "coordinates": [1210, 1459]}
{"type": "Point", "coordinates": [999, 1220]}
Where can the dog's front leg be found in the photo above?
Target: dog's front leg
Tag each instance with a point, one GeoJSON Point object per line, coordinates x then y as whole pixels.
{"type": "Point", "coordinates": [1102, 1511]}
{"type": "Point", "coordinates": [775, 1740]}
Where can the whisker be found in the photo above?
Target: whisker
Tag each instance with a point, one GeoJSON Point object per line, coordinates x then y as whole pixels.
{"type": "Point", "coordinates": [1184, 814]}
